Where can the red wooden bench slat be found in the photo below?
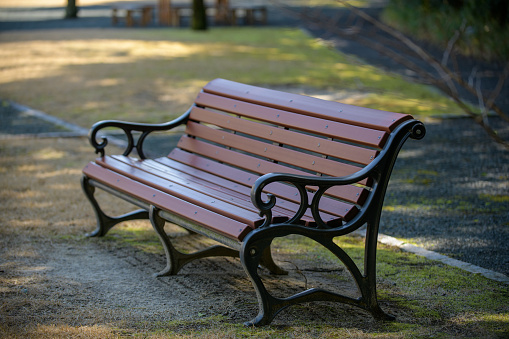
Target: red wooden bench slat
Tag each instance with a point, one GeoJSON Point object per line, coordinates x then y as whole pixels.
{"type": "Point", "coordinates": [167, 177]}
{"type": "Point", "coordinates": [219, 223]}
{"type": "Point", "coordinates": [354, 194]}
{"type": "Point", "coordinates": [245, 161]}
{"type": "Point", "coordinates": [242, 177]}
{"type": "Point", "coordinates": [197, 198]}
{"type": "Point", "coordinates": [354, 115]}
{"type": "Point", "coordinates": [284, 207]}
{"type": "Point", "coordinates": [307, 142]}
{"type": "Point", "coordinates": [351, 193]}
{"type": "Point", "coordinates": [309, 162]}
{"type": "Point", "coordinates": [314, 125]}
{"type": "Point", "coordinates": [171, 176]}
{"type": "Point", "coordinates": [207, 180]}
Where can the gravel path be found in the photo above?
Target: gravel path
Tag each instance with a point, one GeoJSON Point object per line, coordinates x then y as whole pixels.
{"type": "Point", "coordinates": [449, 194]}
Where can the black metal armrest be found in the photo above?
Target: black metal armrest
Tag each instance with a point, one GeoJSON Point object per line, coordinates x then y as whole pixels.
{"type": "Point", "coordinates": [413, 129]}
{"type": "Point", "coordinates": [129, 128]}
{"type": "Point", "coordinates": [301, 182]}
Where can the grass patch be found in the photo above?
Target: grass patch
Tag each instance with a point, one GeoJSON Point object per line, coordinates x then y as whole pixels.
{"type": "Point", "coordinates": [152, 75]}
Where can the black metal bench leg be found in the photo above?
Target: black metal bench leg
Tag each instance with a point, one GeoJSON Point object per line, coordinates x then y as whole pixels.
{"type": "Point", "coordinates": [175, 259]}
{"type": "Point", "coordinates": [104, 221]}
{"type": "Point", "coordinates": [267, 262]}
{"type": "Point", "coordinates": [252, 254]}
{"type": "Point", "coordinates": [368, 286]}
{"type": "Point", "coordinates": [251, 257]}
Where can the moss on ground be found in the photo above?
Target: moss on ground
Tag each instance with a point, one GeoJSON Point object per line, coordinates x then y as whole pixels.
{"type": "Point", "coordinates": [431, 299]}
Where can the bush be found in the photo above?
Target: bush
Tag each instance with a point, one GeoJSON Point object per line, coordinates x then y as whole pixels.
{"type": "Point", "coordinates": [484, 25]}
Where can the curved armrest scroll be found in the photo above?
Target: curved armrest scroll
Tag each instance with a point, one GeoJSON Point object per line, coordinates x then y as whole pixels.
{"type": "Point", "coordinates": [412, 128]}
{"type": "Point", "coordinates": [129, 128]}
{"type": "Point", "coordinates": [300, 182]}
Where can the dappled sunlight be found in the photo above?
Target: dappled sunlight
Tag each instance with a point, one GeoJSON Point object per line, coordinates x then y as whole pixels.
{"type": "Point", "coordinates": [18, 252]}
{"type": "Point", "coordinates": [20, 195]}
{"type": "Point", "coordinates": [59, 173]}
{"type": "Point", "coordinates": [148, 75]}
{"type": "Point", "coordinates": [66, 331]}
{"type": "Point", "coordinates": [27, 223]}
{"type": "Point", "coordinates": [105, 82]}
{"type": "Point", "coordinates": [54, 57]}
{"type": "Point", "coordinates": [31, 168]}
{"type": "Point", "coordinates": [49, 154]}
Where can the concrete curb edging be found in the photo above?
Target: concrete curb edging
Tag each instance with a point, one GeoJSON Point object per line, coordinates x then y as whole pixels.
{"type": "Point", "coordinates": [75, 130]}
{"type": "Point", "coordinates": [391, 241]}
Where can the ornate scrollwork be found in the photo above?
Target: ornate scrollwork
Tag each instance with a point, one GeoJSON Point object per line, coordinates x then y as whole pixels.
{"type": "Point", "coordinates": [129, 128]}
{"type": "Point", "coordinates": [411, 128]}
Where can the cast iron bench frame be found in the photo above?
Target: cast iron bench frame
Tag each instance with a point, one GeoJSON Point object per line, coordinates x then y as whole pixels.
{"type": "Point", "coordinates": [352, 148]}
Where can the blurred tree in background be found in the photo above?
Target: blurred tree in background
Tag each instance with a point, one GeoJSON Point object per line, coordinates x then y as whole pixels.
{"type": "Point", "coordinates": [71, 10]}
{"type": "Point", "coordinates": [199, 19]}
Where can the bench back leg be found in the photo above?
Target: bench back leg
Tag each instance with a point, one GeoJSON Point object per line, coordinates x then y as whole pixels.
{"type": "Point", "coordinates": [104, 221]}
{"type": "Point", "coordinates": [175, 259]}
{"type": "Point", "coordinates": [267, 262]}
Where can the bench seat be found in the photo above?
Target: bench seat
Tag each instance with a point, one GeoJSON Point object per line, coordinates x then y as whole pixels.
{"type": "Point", "coordinates": [255, 164]}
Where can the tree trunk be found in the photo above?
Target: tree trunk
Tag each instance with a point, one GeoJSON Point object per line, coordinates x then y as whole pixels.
{"type": "Point", "coordinates": [71, 11]}
{"type": "Point", "coordinates": [199, 19]}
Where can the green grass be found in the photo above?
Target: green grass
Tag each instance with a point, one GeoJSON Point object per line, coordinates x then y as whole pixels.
{"type": "Point", "coordinates": [152, 75]}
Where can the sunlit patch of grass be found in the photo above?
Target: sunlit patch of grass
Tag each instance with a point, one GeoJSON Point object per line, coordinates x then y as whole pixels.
{"type": "Point", "coordinates": [153, 75]}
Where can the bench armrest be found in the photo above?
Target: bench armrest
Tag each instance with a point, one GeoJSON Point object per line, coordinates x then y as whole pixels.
{"type": "Point", "coordinates": [301, 182]}
{"type": "Point", "coordinates": [129, 128]}
{"type": "Point", "coordinates": [387, 156]}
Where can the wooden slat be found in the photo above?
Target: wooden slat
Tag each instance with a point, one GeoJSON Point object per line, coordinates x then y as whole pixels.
{"type": "Point", "coordinates": [345, 210]}
{"type": "Point", "coordinates": [206, 166]}
{"type": "Point", "coordinates": [304, 141]}
{"type": "Point", "coordinates": [347, 192]}
{"type": "Point", "coordinates": [325, 127]}
{"type": "Point", "coordinates": [162, 179]}
{"type": "Point", "coordinates": [211, 203]}
{"type": "Point", "coordinates": [359, 116]}
{"type": "Point", "coordinates": [170, 176]}
{"type": "Point", "coordinates": [286, 205]}
{"type": "Point", "coordinates": [309, 162]}
{"type": "Point", "coordinates": [221, 224]}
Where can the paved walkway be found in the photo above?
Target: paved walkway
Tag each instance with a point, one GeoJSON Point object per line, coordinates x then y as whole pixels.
{"type": "Point", "coordinates": [448, 193]}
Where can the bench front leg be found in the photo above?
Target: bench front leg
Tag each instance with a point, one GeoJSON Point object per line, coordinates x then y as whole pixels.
{"type": "Point", "coordinates": [175, 259]}
{"type": "Point", "coordinates": [104, 221]}
{"type": "Point", "coordinates": [252, 252]}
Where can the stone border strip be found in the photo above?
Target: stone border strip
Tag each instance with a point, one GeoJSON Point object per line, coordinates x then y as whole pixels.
{"type": "Point", "coordinates": [391, 241]}
{"type": "Point", "coordinates": [75, 130]}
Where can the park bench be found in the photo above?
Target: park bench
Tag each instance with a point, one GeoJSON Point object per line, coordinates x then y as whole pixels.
{"type": "Point", "coordinates": [229, 12]}
{"type": "Point", "coordinates": [134, 14]}
{"type": "Point", "coordinates": [254, 165]}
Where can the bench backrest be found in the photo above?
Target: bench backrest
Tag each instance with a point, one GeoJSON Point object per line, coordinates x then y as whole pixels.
{"type": "Point", "coordinates": [243, 129]}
